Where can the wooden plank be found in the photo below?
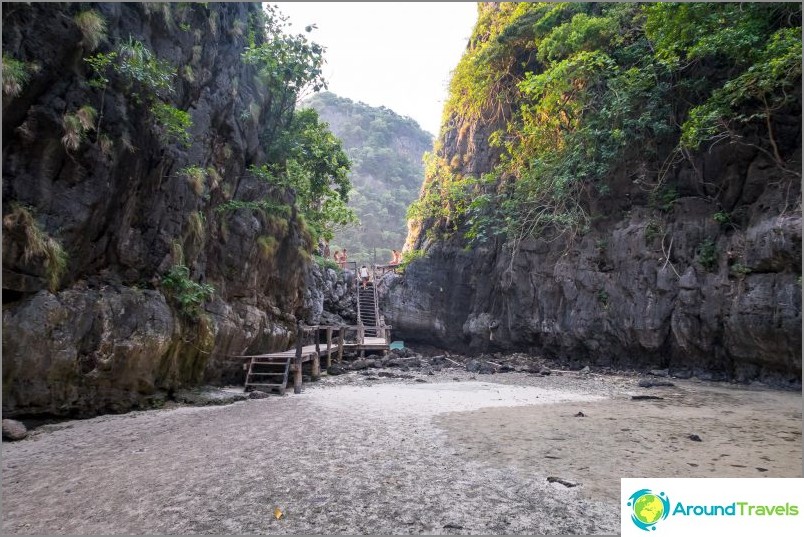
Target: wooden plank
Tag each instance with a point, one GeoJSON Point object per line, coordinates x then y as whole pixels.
{"type": "Point", "coordinates": [340, 347]}
{"type": "Point", "coordinates": [329, 347]}
{"type": "Point", "coordinates": [297, 374]}
{"type": "Point", "coordinates": [315, 370]}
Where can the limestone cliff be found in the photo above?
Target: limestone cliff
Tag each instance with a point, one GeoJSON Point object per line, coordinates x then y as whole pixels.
{"type": "Point", "coordinates": [105, 199]}
{"type": "Point", "coordinates": [688, 259]}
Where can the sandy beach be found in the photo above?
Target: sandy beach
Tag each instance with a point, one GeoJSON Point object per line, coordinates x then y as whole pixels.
{"type": "Point", "coordinates": [450, 453]}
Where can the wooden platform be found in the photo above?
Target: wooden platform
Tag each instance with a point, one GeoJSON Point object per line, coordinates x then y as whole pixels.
{"type": "Point", "coordinates": [296, 357]}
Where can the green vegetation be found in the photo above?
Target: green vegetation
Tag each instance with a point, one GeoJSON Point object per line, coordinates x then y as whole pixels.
{"type": "Point", "coordinates": [15, 75]}
{"type": "Point", "coordinates": [410, 256]}
{"type": "Point", "coordinates": [603, 297]}
{"type": "Point", "coordinates": [576, 89]}
{"type": "Point", "coordinates": [173, 123]}
{"type": "Point", "coordinates": [304, 162]}
{"type": "Point", "coordinates": [93, 28]}
{"type": "Point", "coordinates": [316, 168]}
{"type": "Point", "coordinates": [196, 177]}
{"type": "Point", "coordinates": [326, 263]}
{"type": "Point", "coordinates": [146, 80]}
{"type": "Point", "coordinates": [38, 244]}
{"type": "Point", "coordinates": [707, 254]}
{"type": "Point", "coordinates": [722, 217]}
{"type": "Point", "coordinates": [739, 271]}
{"type": "Point", "coordinates": [304, 166]}
{"type": "Point", "coordinates": [386, 152]}
{"type": "Point", "coordinates": [76, 126]}
{"type": "Point", "coordinates": [189, 295]}
{"type": "Point", "coordinates": [267, 206]}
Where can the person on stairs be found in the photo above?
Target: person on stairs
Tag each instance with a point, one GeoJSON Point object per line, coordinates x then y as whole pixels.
{"type": "Point", "coordinates": [364, 275]}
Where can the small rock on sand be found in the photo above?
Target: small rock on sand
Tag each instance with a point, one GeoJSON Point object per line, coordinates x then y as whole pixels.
{"type": "Point", "coordinates": [14, 430]}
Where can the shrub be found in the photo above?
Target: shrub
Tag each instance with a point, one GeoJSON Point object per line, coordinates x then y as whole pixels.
{"type": "Point", "coordinates": [722, 217]}
{"type": "Point", "coordinates": [603, 297]}
{"type": "Point", "coordinates": [196, 176]}
{"type": "Point", "coordinates": [173, 122]}
{"type": "Point", "coordinates": [196, 224]}
{"type": "Point", "coordinates": [38, 244]}
{"type": "Point", "coordinates": [15, 76]}
{"type": "Point", "coordinates": [326, 263]}
{"type": "Point", "coordinates": [86, 116]}
{"type": "Point", "coordinates": [409, 257]}
{"type": "Point", "coordinates": [73, 132]}
{"type": "Point", "coordinates": [92, 26]}
{"type": "Point", "coordinates": [267, 246]}
{"type": "Point", "coordinates": [739, 270]}
{"type": "Point", "coordinates": [188, 294]}
{"type": "Point", "coordinates": [707, 254]}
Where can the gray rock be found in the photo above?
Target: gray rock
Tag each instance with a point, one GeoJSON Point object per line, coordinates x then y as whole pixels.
{"type": "Point", "coordinates": [487, 369]}
{"type": "Point", "coordinates": [357, 365]}
{"type": "Point", "coordinates": [647, 383]}
{"type": "Point", "coordinates": [659, 372]}
{"type": "Point", "coordinates": [209, 396]}
{"type": "Point", "coordinates": [473, 366]}
{"type": "Point", "coordinates": [336, 370]}
{"type": "Point", "coordinates": [257, 394]}
{"type": "Point", "coordinates": [14, 430]}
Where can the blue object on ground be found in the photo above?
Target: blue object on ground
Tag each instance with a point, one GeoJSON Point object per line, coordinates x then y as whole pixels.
{"type": "Point", "coordinates": [397, 345]}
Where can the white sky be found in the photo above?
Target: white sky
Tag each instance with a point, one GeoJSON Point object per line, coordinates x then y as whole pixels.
{"type": "Point", "coordinates": [394, 54]}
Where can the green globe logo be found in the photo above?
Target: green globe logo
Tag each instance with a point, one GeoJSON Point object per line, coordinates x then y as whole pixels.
{"type": "Point", "coordinates": [648, 508]}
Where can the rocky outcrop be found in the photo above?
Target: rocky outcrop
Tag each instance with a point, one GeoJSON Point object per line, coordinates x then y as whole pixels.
{"type": "Point", "coordinates": [106, 333]}
{"type": "Point", "coordinates": [697, 272]}
{"type": "Point", "coordinates": [330, 296]}
{"type": "Point", "coordinates": [643, 289]}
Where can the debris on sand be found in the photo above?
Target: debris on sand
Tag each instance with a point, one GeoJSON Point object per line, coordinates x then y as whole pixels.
{"type": "Point", "coordinates": [647, 383]}
{"type": "Point", "coordinates": [568, 484]}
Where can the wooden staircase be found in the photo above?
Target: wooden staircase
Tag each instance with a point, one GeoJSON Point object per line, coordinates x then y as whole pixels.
{"type": "Point", "coordinates": [268, 373]}
{"type": "Point", "coordinates": [367, 312]}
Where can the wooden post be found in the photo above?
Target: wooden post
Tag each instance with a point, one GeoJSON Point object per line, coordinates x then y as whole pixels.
{"type": "Point", "coordinates": [342, 332]}
{"type": "Point", "coordinates": [297, 374]}
{"type": "Point", "coordinates": [361, 334]}
{"type": "Point", "coordinates": [329, 346]}
{"type": "Point", "coordinates": [317, 338]}
{"type": "Point", "coordinates": [315, 368]}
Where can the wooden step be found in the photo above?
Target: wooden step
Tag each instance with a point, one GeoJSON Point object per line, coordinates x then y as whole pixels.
{"type": "Point", "coordinates": [265, 384]}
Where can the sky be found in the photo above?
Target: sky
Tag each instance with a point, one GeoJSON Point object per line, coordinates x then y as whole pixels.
{"type": "Point", "coordinates": [394, 54]}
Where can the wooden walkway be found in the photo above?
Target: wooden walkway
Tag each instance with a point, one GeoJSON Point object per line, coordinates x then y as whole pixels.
{"type": "Point", "coordinates": [271, 370]}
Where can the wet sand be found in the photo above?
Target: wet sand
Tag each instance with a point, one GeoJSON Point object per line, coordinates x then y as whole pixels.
{"type": "Point", "coordinates": [742, 434]}
{"type": "Point", "coordinates": [358, 456]}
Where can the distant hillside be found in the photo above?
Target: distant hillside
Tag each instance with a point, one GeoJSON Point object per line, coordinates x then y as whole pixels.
{"type": "Point", "coordinates": [387, 171]}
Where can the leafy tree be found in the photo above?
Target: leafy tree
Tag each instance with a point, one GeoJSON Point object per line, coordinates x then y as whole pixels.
{"type": "Point", "coordinates": [386, 152]}
{"type": "Point", "coordinates": [576, 87]}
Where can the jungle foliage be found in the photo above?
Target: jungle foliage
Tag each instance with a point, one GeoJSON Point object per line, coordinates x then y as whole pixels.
{"type": "Point", "coordinates": [386, 152]}
{"type": "Point", "coordinates": [572, 88]}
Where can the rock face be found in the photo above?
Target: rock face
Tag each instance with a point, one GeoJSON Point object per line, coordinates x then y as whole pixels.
{"type": "Point", "coordinates": [107, 335]}
{"type": "Point", "coordinates": [622, 295]}
{"type": "Point", "coordinates": [706, 282]}
{"type": "Point", "coordinates": [330, 296]}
